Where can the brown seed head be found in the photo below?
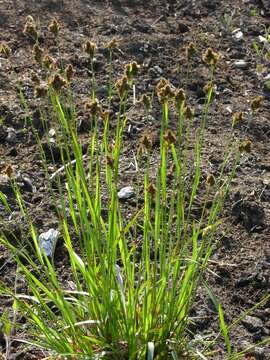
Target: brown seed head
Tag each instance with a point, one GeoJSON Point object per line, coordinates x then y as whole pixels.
{"type": "Point", "coordinates": [94, 107]}
{"type": "Point", "coordinates": [256, 103]}
{"type": "Point", "coordinates": [105, 115]}
{"type": "Point", "coordinates": [146, 142]}
{"type": "Point", "coordinates": [48, 62]}
{"type": "Point", "coordinates": [90, 48]}
{"type": "Point", "coordinates": [210, 57]}
{"type": "Point", "coordinates": [122, 86]}
{"type": "Point", "coordinates": [190, 50]}
{"type": "Point", "coordinates": [9, 171]}
{"type": "Point", "coordinates": [112, 44]}
{"type": "Point", "coordinates": [110, 161]}
{"type": "Point", "coordinates": [69, 70]}
{"type": "Point", "coordinates": [245, 146]}
{"type": "Point", "coordinates": [132, 69]}
{"type": "Point", "coordinates": [188, 113]}
{"type": "Point", "coordinates": [57, 82]}
{"type": "Point", "coordinates": [170, 137]}
{"type": "Point", "coordinates": [145, 99]}
{"type": "Point", "coordinates": [54, 27]}
{"type": "Point", "coordinates": [237, 118]}
{"type": "Point", "coordinates": [30, 29]}
{"type": "Point", "coordinates": [152, 190]}
{"type": "Point", "coordinates": [180, 96]}
{"type": "Point", "coordinates": [210, 180]}
{"type": "Point", "coordinates": [5, 50]}
{"type": "Point", "coordinates": [41, 91]}
{"type": "Point", "coordinates": [165, 93]}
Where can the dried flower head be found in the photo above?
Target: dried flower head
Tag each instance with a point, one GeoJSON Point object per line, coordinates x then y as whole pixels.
{"type": "Point", "coordinates": [48, 62]}
{"type": "Point", "coordinates": [110, 161]}
{"type": "Point", "coordinates": [146, 143]}
{"type": "Point", "coordinates": [210, 57]}
{"type": "Point", "coordinates": [57, 82]}
{"type": "Point", "coordinates": [54, 27]}
{"type": "Point", "coordinates": [256, 103]}
{"type": "Point", "coordinates": [90, 48]}
{"type": "Point", "coordinates": [188, 113]}
{"type": "Point", "coordinates": [180, 97]}
{"type": "Point", "coordinates": [38, 53]}
{"type": "Point", "coordinates": [5, 50]}
{"type": "Point", "coordinates": [112, 44]}
{"type": "Point", "coordinates": [162, 82]}
{"type": "Point", "coordinates": [152, 190]}
{"type": "Point", "coordinates": [132, 69]}
{"type": "Point", "coordinates": [69, 71]}
{"type": "Point", "coordinates": [210, 180]}
{"type": "Point", "coordinates": [41, 91]}
{"type": "Point", "coordinates": [105, 115]}
{"type": "Point", "coordinates": [122, 86]}
{"type": "Point", "coordinates": [166, 92]}
{"type": "Point", "coordinates": [237, 118]}
{"type": "Point", "coordinates": [9, 171]}
{"type": "Point", "coordinates": [245, 146]}
{"type": "Point", "coordinates": [146, 101]}
{"type": "Point", "coordinates": [94, 107]}
{"type": "Point", "coordinates": [30, 29]}
{"type": "Point", "coordinates": [190, 50]}
{"type": "Point", "coordinates": [169, 137]}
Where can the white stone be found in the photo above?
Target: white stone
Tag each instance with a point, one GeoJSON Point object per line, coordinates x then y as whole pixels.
{"type": "Point", "coordinates": [47, 241]}
{"type": "Point", "coordinates": [126, 193]}
{"type": "Point", "coordinates": [241, 64]}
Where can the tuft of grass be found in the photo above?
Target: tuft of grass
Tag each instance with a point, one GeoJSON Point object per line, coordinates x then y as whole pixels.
{"type": "Point", "coordinates": [134, 280]}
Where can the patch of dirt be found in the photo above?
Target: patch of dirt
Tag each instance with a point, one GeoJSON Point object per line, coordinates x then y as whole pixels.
{"type": "Point", "coordinates": [154, 33]}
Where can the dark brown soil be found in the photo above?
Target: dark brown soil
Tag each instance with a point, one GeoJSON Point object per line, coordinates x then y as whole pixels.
{"type": "Point", "coordinates": [155, 33]}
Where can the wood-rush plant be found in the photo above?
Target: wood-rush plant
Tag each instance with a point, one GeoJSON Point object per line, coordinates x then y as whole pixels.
{"type": "Point", "coordinates": [134, 281]}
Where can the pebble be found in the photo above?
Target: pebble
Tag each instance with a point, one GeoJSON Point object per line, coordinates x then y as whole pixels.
{"type": "Point", "coordinates": [252, 323]}
{"type": "Point", "coordinates": [156, 70]}
{"type": "Point", "coordinates": [47, 242]}
{"type": "Point", "coordinates": [11, 136]}
{"type": "Point", "coordinates": [237, 35]}
{"type": "Point", "coordinates": [240, 64]}
{"type": "Point", "coordinates": [126, 193]}
{"type": "Point", "coordinates": [5, 186]}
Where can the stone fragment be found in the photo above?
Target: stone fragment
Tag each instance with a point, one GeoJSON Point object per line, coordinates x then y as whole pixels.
{"type": "Point", "coordinates": [241, 64]}
{"type": "Point", "coordinates": [252, 323]}
{"type": "Point", "coordinates": [126, 193]}
{"type": "Point", "coordinates": [47, 242]}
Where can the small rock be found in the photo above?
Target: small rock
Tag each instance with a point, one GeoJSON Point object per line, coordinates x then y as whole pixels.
{"type": "Point", "coordinates": [52, 132]}
{"type": "Point", "coordinates": [5, 185]}
{"type": "Point", "coordinates": [240, 64]}
{"type": "Point", "coordinates": [126, 193]}
{"type": "Point", "coordinates": [156, 70]}
{"type": "Point", "coordinates": [47, 242]}
{"type": "Point", "coordinates": [27, 185]}
{"type": "Point", "coordinates": [256, 351]}
{"type": "Point", "coordinates": [237, 35]}
{"type": "Point", "coordinates": [11, 136]}
{"type": "Point", "coordinates": [252, 323]}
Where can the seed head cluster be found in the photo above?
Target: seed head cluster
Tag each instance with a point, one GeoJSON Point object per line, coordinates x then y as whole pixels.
{"type": "Point", "coordinates": [57, 82]}
{"type": "Point", "coordinates": [210, 57]}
